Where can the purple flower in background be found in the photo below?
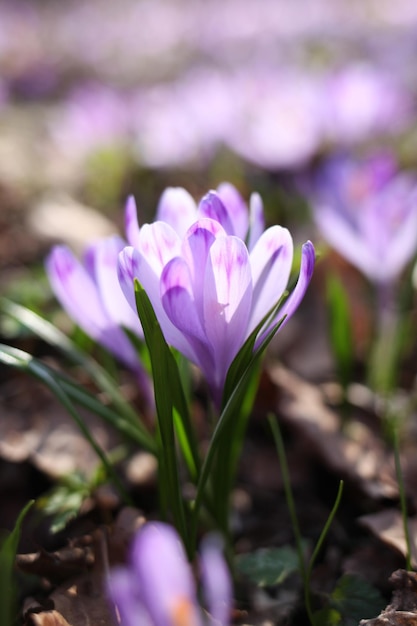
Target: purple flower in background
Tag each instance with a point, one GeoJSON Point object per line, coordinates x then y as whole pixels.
{"type": "Point", "coordinates": [90, 293]}
{"type": "Point", "coordinates": [209, 289]}
{"type": "Point", "coordinates": [157, 588]}
{"type": "Point", "coordinates": [367, 211]}
{"type": "Point", "coordinates": [278, 117]}
{"type": "Point", "coordinates": [360, 100]}
{"type": "Point", "coordinates": [94, 117]}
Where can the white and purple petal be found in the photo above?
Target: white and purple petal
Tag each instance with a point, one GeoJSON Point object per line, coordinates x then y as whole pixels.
{"type": "Point", "coordinates": [256, 219]}
{"type": "Point", "coordinates": [103, 257]}
{"type": "Point", "coordinates": [236, 209]}
{"type": "Point", "coordinates": [179, 304]}
{"type": "Point", "coordinates": [131, 222]}
{"type": "Point", "coordinates": [227, 300]}
{"type": "Point", "coordinates": [177, 208]}
{"type": "Point", "coordinates": [294, 299]}
{"type": "Point", "coordinates": [212, 206]}
{"type": "Point", "coordinates": [271, 262]}
{"type": "Point", "coordinates": [80, 297]}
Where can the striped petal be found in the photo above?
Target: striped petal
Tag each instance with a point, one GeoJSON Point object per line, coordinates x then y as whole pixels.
{"type": "Point", "coordinates": [80, 297]}
{"type": "Point", "coordinates": [76, 291]}
{"type": "Point", "coordinates": [104, 258]}
{"type": "Point", "coordinates": [291, 304]}
{"type": "Point", "coordinates": [195, 250]}
{"type": "Point", "coordinates": [158, 243]}
{"type": "Point", "coordinates": [177, 208]}
{"type": "Point", "coordinates": [227, 300]}
{"type": "Point", "coordinates": [131, 222]}
{"type": "Point", "coordinates": [256, 219]}
{"type": "Point", "coordinates": [236, 209]}
{"type": "Point", "coordinates": [212, 206]}
{"type": "Point", "coordinates": [271, 262]}
{"type": "Point", "coordinates": [133, 265]}
{"type": "Point", "coordinates": [180, 306]}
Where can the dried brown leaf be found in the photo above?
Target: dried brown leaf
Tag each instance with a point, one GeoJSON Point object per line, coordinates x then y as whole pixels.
{"type": "Point", "coordinates": [358, 455]}
{"type": "Point", "coordinates": [388, 526]}
{"type": "Point", "coordinates": [46, 618]}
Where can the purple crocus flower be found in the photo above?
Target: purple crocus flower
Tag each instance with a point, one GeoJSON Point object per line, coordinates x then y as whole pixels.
{"type": "Point", "coordinates": [368, 213]}
{"type": "Point", "coordinates": [361, 100]}
{"type": "Point", "coordinates": [178, 208]}
{"type": "Point", "coordinates": [209, 289]}
{"type": "Point", "coordinates": [91, 295]}
{"type": "Point", "coordinates": [157, 588]}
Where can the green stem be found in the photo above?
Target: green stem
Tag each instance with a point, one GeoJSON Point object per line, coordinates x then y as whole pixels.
{"type": "Point", "coordinates": [305, 571]}
{"type": "Point", "coordinates": [317, 549]}
{"type": "Point", "coordinates": [279, 443]}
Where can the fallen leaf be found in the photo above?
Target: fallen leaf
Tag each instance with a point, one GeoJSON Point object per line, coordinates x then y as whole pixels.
{"type": "Point", "coordinates": [357, 455]}
{"type": "Point", "coordinates": [388, 526]}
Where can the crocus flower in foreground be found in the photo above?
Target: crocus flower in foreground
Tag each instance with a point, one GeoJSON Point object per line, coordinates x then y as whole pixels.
{"type": "Point", "coordinates": [177, 208]}
{"type": "Point", "coordinates": [157, 588]}
{"type": "Point", "coordinates": [368, 213]}
{"type": "Point", "coordinates": [91, 295]}
{"type": "Point", "coordinates": [208, 290]}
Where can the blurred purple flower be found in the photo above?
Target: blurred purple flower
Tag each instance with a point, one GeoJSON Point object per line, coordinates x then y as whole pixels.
{"type": "Point", "coordinates": [90, 293]}
{"type": "Point", "coordinates": [278, 117]}
{"type": "Point", "coordinates": [209, 289]}
{"type": "Point", "coordinates": [157, 588]}
{"type": "Point", "coordinates": [368, 212]}
{"type": "Point", "coordinates": [360, 100]}
{"type": "Point", "coordinates": [94, 116]}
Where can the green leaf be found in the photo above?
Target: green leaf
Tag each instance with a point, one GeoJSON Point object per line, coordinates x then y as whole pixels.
{"type": "Point", "coordinates": [269, 566]}
{"type": "Point", "coordinates": [171, 408]}
{"type": "Point", "coordinates": [63, 504]}
{"type": "Point", "coordinates": [354, 598]}
{"type": "Point", "coordinates": [7, 557]}
{"type": "Point", "coordinates": [23, 361]}
{"type": "Point", "coordinates": [54, 337]}
{"type": "Point", "coordinates": [229, 413]}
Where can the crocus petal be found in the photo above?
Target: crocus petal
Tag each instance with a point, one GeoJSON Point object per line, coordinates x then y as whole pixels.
{"type": "Point", "coordinates": [236, 209]}
{"type": "Point", "coordinates": [404, 245]}
{"type": "Point", "coordinates": [123, 591]}
{"type": "Point", "coordinates": [195, 250]}
{"type": "Point", "coordinates": [179, 304]}
{"type": "Point", "coordinates": [177, 208]}
{"type": "Point", "coordinates": [216, 581]}
{"type": "Point", "coordinates": [341, 234]}
{"type": "Point", "coordinates": [79, 296]}
{"type": "Point", "coordinates": [389, 224]}
{"type": "Point", "coordinates": [75, 290]}
{"type": "Point", "coordinates": [291, 304]}
{"type": "Point", "coordinates": [227, 300]}
{"type": "Point", "coordinates": [104, 257]}
{"type": "Point", "coordinates": [271, 262]}
{"type": "Point", "coordinates": [133, 265]}
{"type": "Point", "coordinates": [158, 244]}
{"type": "Point", "coordinates": [131, 222]}
{"type": "Point", "coordinates": [256, 219]}
{"type": "Point", "coordinates": [212, 206]}
{"type": "Point", "coordinates": [164, 577]}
